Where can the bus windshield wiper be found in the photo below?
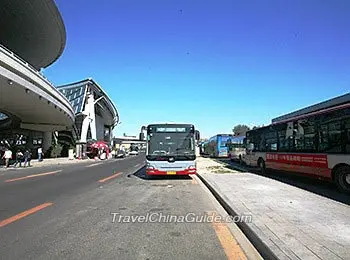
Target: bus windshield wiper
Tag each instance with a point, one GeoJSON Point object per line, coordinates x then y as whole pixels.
{"type": "Point", "coordinates": [178, 149]}
{"type": "Point", "coordinates": [187, 156]}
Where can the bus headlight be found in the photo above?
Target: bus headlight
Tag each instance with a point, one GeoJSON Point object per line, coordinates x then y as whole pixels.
{"type": "Point", "coordinates": [192, 169]}
{"type": "Point", "coordinates": [150, 166]}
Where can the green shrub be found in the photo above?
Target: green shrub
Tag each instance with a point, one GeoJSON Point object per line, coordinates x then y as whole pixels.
{"type": "Point", "coordinates": [56, 151]}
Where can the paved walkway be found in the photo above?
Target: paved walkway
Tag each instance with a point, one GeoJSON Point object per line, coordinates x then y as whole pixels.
{"type": "Point", "coordinates": [52, 161]}
{"type": "Point", "coordinates": [291, 222]}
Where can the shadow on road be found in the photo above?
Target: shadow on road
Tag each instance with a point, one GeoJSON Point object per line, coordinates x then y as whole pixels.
{"type": "Point", "coordinates": [142, 175]}
{"type": "Point", "coordinates": [320, 187]}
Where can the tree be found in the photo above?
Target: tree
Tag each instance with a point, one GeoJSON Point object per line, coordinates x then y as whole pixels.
{"type": "Point", "coordinates": [56, 151]}
{"type": "Point", "coordinates": [257, 126]}
{"type": "Point", "coordinates": [240, 130]}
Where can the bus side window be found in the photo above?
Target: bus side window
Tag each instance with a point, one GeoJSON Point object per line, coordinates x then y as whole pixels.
{"type": "Point", "coordinates": [347, 135]}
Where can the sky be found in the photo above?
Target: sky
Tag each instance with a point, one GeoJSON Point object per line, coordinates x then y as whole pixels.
{"type": "Point", "coordinates": [214, 64]}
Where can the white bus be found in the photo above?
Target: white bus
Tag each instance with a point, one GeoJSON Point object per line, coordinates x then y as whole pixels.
{"type": "Point", "coordinates": [236, 148]}
{"type": "Point", "coordinates": [170, 149]}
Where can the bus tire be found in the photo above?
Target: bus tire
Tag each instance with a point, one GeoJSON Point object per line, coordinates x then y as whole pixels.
{"type": "Point", "coordinates": [342, 178]}
{"type": "Point", "coordinates": [262, 166]}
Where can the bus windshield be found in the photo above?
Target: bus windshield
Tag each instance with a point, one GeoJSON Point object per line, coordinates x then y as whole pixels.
{"type": "Point", "coordinates": [171, 144]}
{"type": "Point", "coordinates": [223, 140]}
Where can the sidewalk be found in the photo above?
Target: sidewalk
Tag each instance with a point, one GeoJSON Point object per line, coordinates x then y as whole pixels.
{"type": "Point", "coordinates": [287, 222]}
{"type": "Point", "coordinates": [52, 161]}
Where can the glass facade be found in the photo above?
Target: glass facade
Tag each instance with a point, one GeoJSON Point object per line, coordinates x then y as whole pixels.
{"type": "Point", "coordinates": [3, 116]}
{"type": "Point", "coordinates": [76, 96]}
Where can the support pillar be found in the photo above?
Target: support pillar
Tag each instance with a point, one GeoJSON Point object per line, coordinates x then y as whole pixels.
{"type": "Point", "coordinates": [47, 141]}
{"type": "Point", "coordinates": [90, 118]}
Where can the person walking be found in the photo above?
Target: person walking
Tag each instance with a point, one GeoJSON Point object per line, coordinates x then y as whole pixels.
{"type": "Point", "coordinates": [7, 156]}
{"type": "Point", "coordinates": [27, 158]}
{"type": "Point", "coordinates": [40, 154]}
{"type": "Point", "coordinates": [19, 158]}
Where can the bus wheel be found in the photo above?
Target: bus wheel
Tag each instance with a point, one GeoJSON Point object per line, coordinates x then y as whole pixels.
{"type": "Point", "coordinates": [262, 167]}
{"type": "Point", "coordinates": [342, 178]}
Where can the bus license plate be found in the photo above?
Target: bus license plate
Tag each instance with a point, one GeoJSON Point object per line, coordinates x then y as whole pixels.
{"type": "Point", "coordinates": [170, 173]}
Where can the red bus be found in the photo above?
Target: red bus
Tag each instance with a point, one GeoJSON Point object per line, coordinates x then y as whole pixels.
{"type": "Point", "coordinates": [313, 141]}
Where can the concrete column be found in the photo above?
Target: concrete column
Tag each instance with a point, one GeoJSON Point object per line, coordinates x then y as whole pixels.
{"type": "Point", "coordinates": [84, 129]}
{"type": "Point", "coordinates": [89, 120]}
{"type": "Point", "coordinates": [110, 134]}
{"type": "Point", "coordinates": [47, 140]}
{"type": "Point", "coordinates": [91, 103]}
{"type": "Point", "coordinates": [55, 136]}
{"type": "Point", "coordinates": [78, 150]}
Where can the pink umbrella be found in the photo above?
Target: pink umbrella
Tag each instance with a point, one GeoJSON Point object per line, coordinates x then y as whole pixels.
{"type": "Point", "coordinates": [99, 144]}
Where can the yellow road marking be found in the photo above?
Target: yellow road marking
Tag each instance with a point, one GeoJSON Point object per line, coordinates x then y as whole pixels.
{"type": "Point", "coordinates": [194, 181]}
{"type": "Point", "coordinates": [24, 214]}
{"type": "Point", "coordinates": [228, 242]}
{"type": "Point", "coordinates": [32, 176]}
{"type": "Point", "coordinates": [110, 177]}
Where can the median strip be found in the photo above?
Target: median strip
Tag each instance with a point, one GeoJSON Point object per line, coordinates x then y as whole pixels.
{"type": "Point", "coordinates": [32, 176]}
{"type": "Point", "coordinates": [110, 177]}
{"type": "Point", "coordinates": [228, 242]}
{"type": "Point", "coordinates": [24, 214]}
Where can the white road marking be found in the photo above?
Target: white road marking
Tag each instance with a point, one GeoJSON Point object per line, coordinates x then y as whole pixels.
{"type": "Point", "coordinates": [95, 164]}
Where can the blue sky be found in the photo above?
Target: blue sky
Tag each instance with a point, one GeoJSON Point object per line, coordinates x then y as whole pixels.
{"type": "Point", "coordinates": [211, 63]}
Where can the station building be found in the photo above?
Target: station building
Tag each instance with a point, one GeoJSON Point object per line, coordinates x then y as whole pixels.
{"type": "Point", "coordinates": [32, 37]}
{"type": "Point", "coordinates": [33, 112]}
{"type": "Point", "coordinates": [95, 114]}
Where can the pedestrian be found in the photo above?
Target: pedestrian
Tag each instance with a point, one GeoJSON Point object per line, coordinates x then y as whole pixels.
{"type": "Point", "coordinates": [7, 156]}
{"type": "Point", "coordinates": [19, 158]}
{"type": "Point", "coordinates": [27, 158]}
{"type": "Point", "coordinates": [40, 154]}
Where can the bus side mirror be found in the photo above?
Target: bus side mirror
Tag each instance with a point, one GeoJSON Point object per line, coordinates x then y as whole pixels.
{"type": "Point", "coordinates": [251, 147]}
{"type": "Point", "coordinates": [197, 135]}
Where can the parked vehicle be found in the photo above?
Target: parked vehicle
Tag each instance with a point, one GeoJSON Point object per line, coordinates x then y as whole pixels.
{"type": "Point", "coordinates": [171, 149]}
{"type": "Point", "coordinates": [120, 154]}
{"type": "Point", "coordinates": [236, 148]}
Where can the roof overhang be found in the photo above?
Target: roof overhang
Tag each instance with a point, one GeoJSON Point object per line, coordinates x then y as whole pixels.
{"type": "Point", "coordinates": [314, 108]}
{"type": "Point", "coordinates": [25, 94]}
{"type": "Point", "coordinates": [34, 30]}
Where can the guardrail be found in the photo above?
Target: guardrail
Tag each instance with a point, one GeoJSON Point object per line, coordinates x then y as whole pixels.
{"type": "Point", "coordinates": [52, 90]}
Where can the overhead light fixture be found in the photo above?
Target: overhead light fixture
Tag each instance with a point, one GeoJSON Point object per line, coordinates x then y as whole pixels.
{"type": "Point", "coordinates": [27, 90]}
{"type": "Point", "coordinates": [10, 82]}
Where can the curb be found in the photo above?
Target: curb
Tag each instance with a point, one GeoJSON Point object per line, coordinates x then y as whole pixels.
{"type": "Point", "coordinates": [59, 163]}
{"type": "Point", "coordinates": [242, 240]}
{"type": "Point", "coordinates": [256, 241]}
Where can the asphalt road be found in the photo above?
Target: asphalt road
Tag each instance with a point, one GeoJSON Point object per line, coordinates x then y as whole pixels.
{"type": "Point", "coordinates": [66, 212]}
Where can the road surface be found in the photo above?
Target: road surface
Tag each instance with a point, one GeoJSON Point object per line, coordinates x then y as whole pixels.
{"type": "Point", "coordinates": [66, 212]}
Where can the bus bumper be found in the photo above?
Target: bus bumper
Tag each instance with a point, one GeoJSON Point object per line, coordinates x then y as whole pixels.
{"type": "Point", "coordinates": [182, 172]}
